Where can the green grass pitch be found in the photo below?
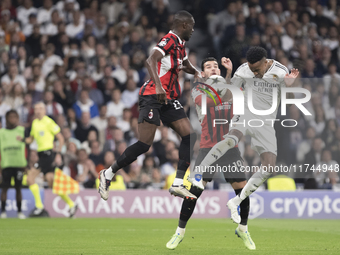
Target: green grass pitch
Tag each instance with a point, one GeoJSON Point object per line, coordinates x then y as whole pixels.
{"type": "Point", "coordinates": [149, 236]}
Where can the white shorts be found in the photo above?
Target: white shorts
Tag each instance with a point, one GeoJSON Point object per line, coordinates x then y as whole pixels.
{"type": "Point", "coordinates": [263, 138]}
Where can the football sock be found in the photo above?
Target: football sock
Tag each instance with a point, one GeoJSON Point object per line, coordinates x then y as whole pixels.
{"type": "Point", "coordinates": [253, 183]}
{"type": "Point", "coordinates": [178, 181]}
{"type": "Point", "coordinates": [185, 153]}
{"type": "Point", "coordinates": [243, 228]}
{"type": "Point", "coordinates": [219, 150]}
{"type": "Point", "coordinates": [36, 194]}
{"type": "Point", "coordinates": [109, 173]}
{"type": "Point", "coordinates": [244, 208]}
{"type": "Point", "coordinates": [67, 200]}
{"type": "Point", "coordinates": [3, 206]}
{"type": "Point", "coordinates": [18, 198]}
{"type": "Point", "coordinates": [180, 231]}
{"type": "Point", "coordinates": [19, 206]}
{"type": "Point", "coordinates": [129, 155]}
{"type": "Point", "coordinates": [188, 207]}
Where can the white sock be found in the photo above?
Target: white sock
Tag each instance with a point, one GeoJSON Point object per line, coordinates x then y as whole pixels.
{"type": "Point", "coordinates": [109, 174]}
{"type": "Point", "coordinates": [180, 231]}
{"type": "Point", "coordinates": [219, 150]}
{"type": "Point", "coordinates": [243, 228]}
{"type": "Point", "coordinates": [177, 182]}
{"type": "Point", "coordinates": [253, 183]}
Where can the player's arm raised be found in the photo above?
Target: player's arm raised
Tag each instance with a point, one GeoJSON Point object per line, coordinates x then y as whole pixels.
{"type": "Point", "coordinates": [151, 65]}
{"type": "Point", "coordinates": [189, 68]}
{"type": "Point", "coordinates": [289, 80]}
{"type": "Point", "coordinates": [226, 62]}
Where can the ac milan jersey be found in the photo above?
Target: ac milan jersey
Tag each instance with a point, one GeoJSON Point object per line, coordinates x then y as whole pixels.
{"type": "Point", "coordinates": [173, 50]}
{"type": "Point", "coordinates": [210, 134]}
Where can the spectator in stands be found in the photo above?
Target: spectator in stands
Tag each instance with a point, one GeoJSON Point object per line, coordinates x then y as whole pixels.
{"type": "Point", "coordinates": [16, 97]}
{"type": "Point", "coordinates": [325, 173]}
{"type": "Point", "coordinates": [169, 167]}
{"type": "Point", "coordinates": [53, 109]}
{"type": "Point", "coordinates": [75, 29]}
{"type": "Point", "coordinates": [62, 95]}
{"type": "Point", "coordinates": [50, 59]}
{"type": "Point", "coordinates": [121, 74]}
{"type": "Point", "coordinates": [95, 95]}
{"type": "Point", "coordinates": [124, 123]}
{"type": "Point", "coordinates": [84, 127]}
{"type": "Point", "coordinates": [13, 77]}
{"type": "Point", "coordinates": [100, 122]}
{"type": "Point", "coordinates": [85, 104]}
{"type": "Point", "coordinates": [24, 11]}
{"type": "Point", "coordinates": [130, 95]}
{"type": "Point", "coordinates": [44, 13]}
{"type": "Point", "coordinates": [66, 132]}
{"type": "Point", "coordinates": [86, 170]}
{"type": "Point", "coordinates": [96, 154]}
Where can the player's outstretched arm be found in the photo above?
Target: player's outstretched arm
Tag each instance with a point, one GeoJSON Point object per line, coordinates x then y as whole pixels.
{"type": "Point", "coordinates": [27, 140]}
{"type": "Point", "coordinates": [189, 68]}
{"type": "Point", "coordinates": [290, 78]}
{"type": "Point", "coordinates": [151, 65]}
{"type": "Point", "coordinates": [226, 62]}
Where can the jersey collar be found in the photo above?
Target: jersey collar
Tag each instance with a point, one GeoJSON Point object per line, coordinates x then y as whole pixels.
{"type": "Point", "coordinates": [179, 39]}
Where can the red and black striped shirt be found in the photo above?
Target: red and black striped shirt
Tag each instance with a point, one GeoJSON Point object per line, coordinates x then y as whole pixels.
{"type": "Point", "coordinates": [173, 50]}
{"type": "Point", "coordinates": [210, 134]}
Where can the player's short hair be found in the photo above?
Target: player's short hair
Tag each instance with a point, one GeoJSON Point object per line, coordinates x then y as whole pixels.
{"type": "Point", "coordinates": [12, 111]}
{"type": "Point", "coordinates": [255, 54]}
{"type": "Point", "coordinates": [207, 60]}
{"type": "Point", "coordinates": [181, 17]}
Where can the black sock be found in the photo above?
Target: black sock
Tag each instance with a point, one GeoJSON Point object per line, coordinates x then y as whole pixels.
{"type": "Point", "coordinates": [244, 208]}
{"type": "Point", "coordinates": [129, 155]}
{"type": "Point", "coordinates": [3, 206]}
{"type": "Point", "coordinates": [185, 153]}
{"type": "Point", "coordinates": [188, 207]}
{"type": "Point", "coordinates": [19, 206]}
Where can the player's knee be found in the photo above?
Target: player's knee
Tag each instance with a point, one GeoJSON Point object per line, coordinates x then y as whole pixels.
{"type": "Point", "coordinates": [231, 140]}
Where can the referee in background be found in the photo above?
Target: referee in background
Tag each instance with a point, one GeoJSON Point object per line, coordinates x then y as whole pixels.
{"type": "Point", "coordinates": [13, 160]}
{"type": "Point", "coordinates": [44, 130]}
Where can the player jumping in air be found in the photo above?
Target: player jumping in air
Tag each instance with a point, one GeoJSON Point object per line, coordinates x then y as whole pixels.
{"type": "Point", "coordinates": [209, 137]}
{"type": "Point", "coordinates": [158, 102]}
{"type": "Point", "coordinates": [257, 74]}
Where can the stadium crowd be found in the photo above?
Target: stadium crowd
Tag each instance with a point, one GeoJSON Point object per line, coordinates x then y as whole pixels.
{"type": "Point", "coordinates": [85, 60]}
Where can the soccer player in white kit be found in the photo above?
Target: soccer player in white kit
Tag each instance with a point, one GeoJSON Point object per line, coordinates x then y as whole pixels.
{"type": "Point", "coordinates": [258, 76]}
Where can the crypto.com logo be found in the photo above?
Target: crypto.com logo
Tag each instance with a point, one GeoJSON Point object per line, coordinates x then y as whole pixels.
{"type": "Point", "coordinates": [238, 100]}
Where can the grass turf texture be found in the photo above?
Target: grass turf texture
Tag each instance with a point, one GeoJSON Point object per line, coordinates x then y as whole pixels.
{"type": "Point", "coordinates": [149, 236]}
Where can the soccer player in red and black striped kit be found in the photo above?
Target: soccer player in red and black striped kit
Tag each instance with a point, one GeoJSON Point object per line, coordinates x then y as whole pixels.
{"type": "Point", "coordinates": [209, 137]}
{"type": "Point", "coordinates": [158, 102]}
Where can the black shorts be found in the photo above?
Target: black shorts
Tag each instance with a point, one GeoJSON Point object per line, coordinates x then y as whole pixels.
{"type": "Point", "coordinates": [230, 165]}
{"type": "Point", "coordinates": [8, 173]}
{"type": "Point", "coordinates": [151, 111]}
{"type": "Point", "coordinates": [46, 161]}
